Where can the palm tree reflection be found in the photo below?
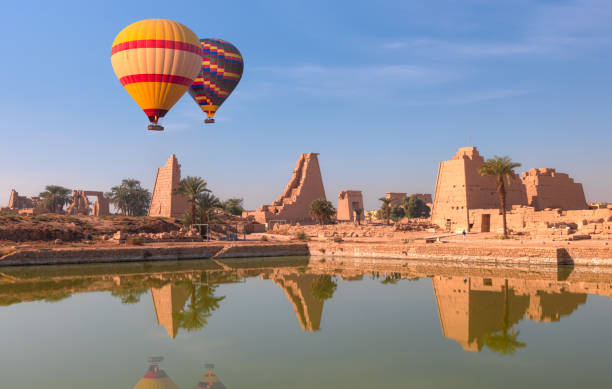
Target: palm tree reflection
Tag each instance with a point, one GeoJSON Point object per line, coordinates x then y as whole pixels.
{"type": "Point", "coordinates": [502, 342]}
{"type": "Point", "coordinates": [202, 303]}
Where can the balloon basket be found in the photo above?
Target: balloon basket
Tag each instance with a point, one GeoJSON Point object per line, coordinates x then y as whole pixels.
{"type": "Point", "coordinates": [155, 127]}
{"type": "Point", "coordinates": [209, 121]}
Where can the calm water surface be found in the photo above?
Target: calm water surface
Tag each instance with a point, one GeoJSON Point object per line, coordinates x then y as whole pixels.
{"type": "Point", "coordinates": [300, 323]}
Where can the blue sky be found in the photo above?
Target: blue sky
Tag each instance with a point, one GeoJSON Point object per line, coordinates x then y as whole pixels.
{"type": "Point", "coordinates": [383, 90]}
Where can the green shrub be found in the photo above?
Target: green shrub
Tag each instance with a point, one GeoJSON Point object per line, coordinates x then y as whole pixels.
{"type": "Point", "coordinates": [135, 240]}
{"type": "Point", "coordinates": [41, 218]}
{"type": "Point", "coordinates": [301, 235]}
{"type": "Point", "coordinates": [264, 238]}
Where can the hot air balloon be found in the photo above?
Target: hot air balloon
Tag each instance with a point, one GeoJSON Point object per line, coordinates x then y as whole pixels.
{"type": "Point", "coordinates": [220, 72]}
{"type": "Point", "coordinates": [156, 60]}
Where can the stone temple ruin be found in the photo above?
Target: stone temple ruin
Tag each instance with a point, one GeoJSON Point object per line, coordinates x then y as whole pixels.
{"type": "Point", "coordinates": [305, 186]}
{"type": "Point", "coordinates": [80, 204]}
{"type": "Point", "coordinates": [164, 202]}
{"type": "Point", "coordinates": [397, 198]}
{"type": "Point", "coordinates": [465, 200]}
{"type": "Point", "coordinates": [24, 204]}
{"type": "Point", "coordinates": [348, 202]}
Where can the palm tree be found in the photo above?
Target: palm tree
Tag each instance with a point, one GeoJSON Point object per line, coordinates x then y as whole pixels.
{"type": "Point", "coordinates": [386, 208]}
{"type": "Point", "coordinates": [130, 198]}
{"type": "Point", "coordinates": [205, 203]}
{"type": "Point", "coordinates": [192, 187]}
{"type": "Point", "coordinates": [415, 207]}
{"type": "Point", "coordinates": [322, 211]}
{"type": "Point", "coordinates": [358, 215]}
{"type": "Point", "coordinates": [55, 197]}
{"type": "Point", "coordinates": [502, 168]}
{"type": "Point", "coordinates": [234, 206]}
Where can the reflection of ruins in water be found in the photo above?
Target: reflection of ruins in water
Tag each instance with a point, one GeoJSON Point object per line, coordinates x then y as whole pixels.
{"type": "Point", "coordinates": [473, 309]}
{"type": "Point", "coordinates": [478, 305]}
{"type": "Point", "coordinates": [168, 301]}
{"type": "Point", "coordinates": [172, 302]}
{"type": "Point", "coordinates": [299, 291]}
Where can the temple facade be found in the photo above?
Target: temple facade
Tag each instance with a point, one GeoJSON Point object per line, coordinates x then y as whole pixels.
{"type": "Point", "coordinates": [465, 200]}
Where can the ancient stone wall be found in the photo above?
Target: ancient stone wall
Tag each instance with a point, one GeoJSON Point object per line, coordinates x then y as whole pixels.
{"type": "Point", "coordinates": [550, 223]}
{"type": "Point", "coordinates": [22, 202]}
{"type": "Point", "coordinates": [164, 202]}
{"type": "Point", "coordinates": [80, 204]}
{"type": "Point", "coordinates": [425, 197]}
{"type": "Point", "coordinates": [548, 189]}
{"type": "Point", "coordinates": [397, 198]}
{"type": "Point", "coordinates": [293, 206]}
{"type": "Point", "coordinates": [348, 202]}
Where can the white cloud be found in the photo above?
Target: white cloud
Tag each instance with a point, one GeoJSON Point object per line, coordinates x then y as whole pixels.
{"type": "Point", "coordinates": [470, 97]}
{"type": "Point", "coordinates": [465, 49]}
{"type": "Point", "coordinates": [550, 29]}
{"type": "Point", "coordinates": [477, 97]}
{"type": "Point", "coordinates": [365, 82]}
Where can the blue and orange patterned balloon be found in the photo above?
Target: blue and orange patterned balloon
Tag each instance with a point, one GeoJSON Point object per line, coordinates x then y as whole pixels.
{"type": "Point", "coordinates": [221, 71]}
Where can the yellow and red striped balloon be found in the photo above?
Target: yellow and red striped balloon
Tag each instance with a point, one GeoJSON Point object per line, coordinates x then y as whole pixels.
{"type": "Point", "coordinates": [156, 60]}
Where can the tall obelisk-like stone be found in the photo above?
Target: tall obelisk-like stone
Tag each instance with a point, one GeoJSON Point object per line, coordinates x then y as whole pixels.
{"type": "Point", "coordinates": [163, 202]}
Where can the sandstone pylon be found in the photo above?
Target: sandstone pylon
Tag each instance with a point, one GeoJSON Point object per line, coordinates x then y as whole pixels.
{"type": "Point", "coordinates": [164, 202]}
{"type": "Point", "coordinates": [305, 186]}
{"type": "Point", "coordinates": [348, 202]}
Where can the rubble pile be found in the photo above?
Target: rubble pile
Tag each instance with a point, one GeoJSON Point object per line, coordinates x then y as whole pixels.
{"type": "Point", "coordinates": [350, 230]}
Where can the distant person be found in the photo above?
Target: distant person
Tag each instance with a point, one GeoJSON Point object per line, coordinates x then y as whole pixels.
{"type": "Point", "coordinates": [464, 234]}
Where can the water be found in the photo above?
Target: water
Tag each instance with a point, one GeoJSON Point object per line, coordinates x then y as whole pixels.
{"type": "Point", "coordinates": [300, 323]}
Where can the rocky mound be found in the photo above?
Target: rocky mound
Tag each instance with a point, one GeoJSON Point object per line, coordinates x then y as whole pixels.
{"type": "Point", "coordinates": [21, 228]}
{"type": "Point", "coordinates": [67, 228]}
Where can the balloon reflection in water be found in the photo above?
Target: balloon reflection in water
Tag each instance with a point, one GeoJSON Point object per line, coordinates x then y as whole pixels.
{"type": "Point", "coordinates": [210, 380]}
{"type": "Point", "coordinates": [155, 378]}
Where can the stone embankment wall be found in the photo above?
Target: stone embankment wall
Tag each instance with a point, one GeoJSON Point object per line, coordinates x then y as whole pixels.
{"type": "Point", "coordinates": [447, 252]}
{"type": "Point", "coordinates": [462, 253]}
{"type": "Point", "coordinates": [143, 253]}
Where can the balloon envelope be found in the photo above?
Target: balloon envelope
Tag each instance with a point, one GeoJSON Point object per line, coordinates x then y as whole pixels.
{"type": "Point", "coordinates": [221, 70]}
{"type": "Point", "coordinates": [156, 60]}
